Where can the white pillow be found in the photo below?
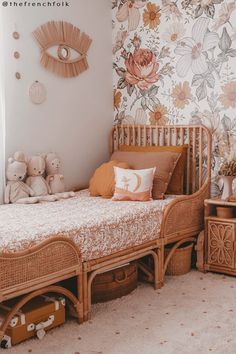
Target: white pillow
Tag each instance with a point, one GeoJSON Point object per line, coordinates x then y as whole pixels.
{"type": "Point", "coordinates": [133, 184]}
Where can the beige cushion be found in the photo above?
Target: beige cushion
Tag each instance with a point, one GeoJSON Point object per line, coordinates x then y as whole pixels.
{"type": "Point", "coordinates": [164, 162]}
{"type": "Point", "coordinates": [177, 180]}
{"type": "Point", "coordinates": [135, 185]}
{"type": "Point", "coordinates": [103, 181]}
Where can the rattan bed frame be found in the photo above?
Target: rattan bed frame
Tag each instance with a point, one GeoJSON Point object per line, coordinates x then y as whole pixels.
{"type": "Point", "coordinates": [38, 269]}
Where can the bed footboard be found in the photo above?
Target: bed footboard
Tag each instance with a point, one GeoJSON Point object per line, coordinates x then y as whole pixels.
{"type": "Point", "coordinates": [184, 217]}
{"type": "Point", "coordinates": [47, 263]}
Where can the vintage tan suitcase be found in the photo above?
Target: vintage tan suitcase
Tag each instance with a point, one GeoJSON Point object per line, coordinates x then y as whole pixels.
{"type": "Point", "coordinates": [35, 318]}
{"type": "Point", "coordinates": [115, 283]}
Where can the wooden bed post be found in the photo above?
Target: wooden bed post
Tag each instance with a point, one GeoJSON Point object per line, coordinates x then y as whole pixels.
{"type": "Point", "coordinates": [80, 304]}
{"type": "Point", "coordinates": [85, 295]}
{"type": "Point", "coordinates": [161, 257]}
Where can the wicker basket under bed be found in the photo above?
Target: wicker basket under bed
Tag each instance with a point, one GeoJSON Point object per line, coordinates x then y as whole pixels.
{"type": "Point", "coordinates": [180, 262]}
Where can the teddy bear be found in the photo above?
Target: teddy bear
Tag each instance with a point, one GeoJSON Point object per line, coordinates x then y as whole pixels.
{"type": "Point", "coordinates": [36, 181]}
{"type": "Point", "coordinates": [16, 190]}
{"type": "Point", "coordinates": [54, 179]}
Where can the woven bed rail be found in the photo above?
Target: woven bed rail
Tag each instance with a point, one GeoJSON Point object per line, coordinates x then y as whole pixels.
{"type": "Point", "coordinates": [45, 264]}
{"type": "Point", "coordinates": [198, 139]}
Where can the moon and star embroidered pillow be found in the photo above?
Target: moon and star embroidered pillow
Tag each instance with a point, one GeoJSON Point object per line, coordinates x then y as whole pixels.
{"type": "Point", "coordinates": [135, 185]}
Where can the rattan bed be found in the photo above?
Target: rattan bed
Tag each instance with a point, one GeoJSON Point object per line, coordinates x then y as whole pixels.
{"type": "Point", "coordinates": [183, 218]}
{"type": "Point", "coordinates": [39, 268]}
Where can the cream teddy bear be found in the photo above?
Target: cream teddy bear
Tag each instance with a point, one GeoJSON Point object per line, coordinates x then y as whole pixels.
{"type": "Point", "coordinates": [54, 179]}
{"type": "Point", "coordinates": [16, 190]}
{"type": "Point", "coordinates": [36, 181]}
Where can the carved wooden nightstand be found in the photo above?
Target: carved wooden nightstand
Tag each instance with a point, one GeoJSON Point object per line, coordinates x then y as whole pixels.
{"type": "Point", "coordinates": [216, 246]}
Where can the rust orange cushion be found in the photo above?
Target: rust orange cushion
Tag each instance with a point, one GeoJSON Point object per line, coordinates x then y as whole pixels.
{"type": "Point", "coordinates": [177, 179]}
{"type": "Point", "coordinates": [103, 181]}
{"type": "Point", "coordinates": [164, 162]}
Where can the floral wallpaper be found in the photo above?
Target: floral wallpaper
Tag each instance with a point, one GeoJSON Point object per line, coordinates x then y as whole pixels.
{"type": "Point", "coordinates": [175, 63]}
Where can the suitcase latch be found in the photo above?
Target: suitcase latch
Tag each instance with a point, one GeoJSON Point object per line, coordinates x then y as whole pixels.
{"type": "Point", "coordinates": [6, 342]}
{"type": "Point", "coordinates": [40, 327]}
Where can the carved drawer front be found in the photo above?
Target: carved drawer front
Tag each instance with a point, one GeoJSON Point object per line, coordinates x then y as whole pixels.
{"type": "Point", "coordinates": [221, 244]}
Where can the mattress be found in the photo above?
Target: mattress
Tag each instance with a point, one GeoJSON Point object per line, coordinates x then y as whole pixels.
{"type": "Point", "coordinates": [99, 227]}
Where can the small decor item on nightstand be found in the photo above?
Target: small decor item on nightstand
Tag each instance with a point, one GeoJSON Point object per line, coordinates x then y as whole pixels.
{"type": "Point", "coordinates": [232, 198]}
{"type": "Point", "coordinates": [225, 212]}
{"type": "Point", "coordinates": [227, 173]}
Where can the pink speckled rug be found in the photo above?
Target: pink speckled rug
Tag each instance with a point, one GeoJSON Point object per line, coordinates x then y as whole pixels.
{"type": "Point", "coordinates": [194, 313]}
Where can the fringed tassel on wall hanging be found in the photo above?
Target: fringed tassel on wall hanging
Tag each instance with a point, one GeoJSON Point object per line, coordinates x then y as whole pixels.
{"type": "Point", "coordinates": [66, 37]}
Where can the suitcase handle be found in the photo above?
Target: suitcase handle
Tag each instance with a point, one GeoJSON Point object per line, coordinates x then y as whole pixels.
{"type": "Point", "coordinates": [42, 325]}
{"type": "Point", "coordinates": [119, 281]}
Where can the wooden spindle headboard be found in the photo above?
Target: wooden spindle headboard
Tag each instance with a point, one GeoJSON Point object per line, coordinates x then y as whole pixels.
{"type": "Point", "coordinates": [198, 139]}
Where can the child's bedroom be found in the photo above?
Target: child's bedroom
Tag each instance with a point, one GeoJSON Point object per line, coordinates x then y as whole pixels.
{"type": "Point", "coordinates": [117, 176]}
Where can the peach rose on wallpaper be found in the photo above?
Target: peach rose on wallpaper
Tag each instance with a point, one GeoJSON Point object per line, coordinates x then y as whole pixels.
{"type": "Point", "coordinates": [141, 68]}
{"type": "Point", "coordinates": [228, 98]}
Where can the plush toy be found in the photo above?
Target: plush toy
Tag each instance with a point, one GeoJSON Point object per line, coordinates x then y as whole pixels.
{"type": "Point", "coordinates": [54, 179]}
{"type": "Point", "coordinates": [36, 181]}
{"type": "Point", "coordinates": [16, 190]}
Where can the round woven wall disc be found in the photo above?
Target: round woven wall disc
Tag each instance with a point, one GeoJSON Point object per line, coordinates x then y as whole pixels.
{"type": "Point", "coordinates": [16, 35]}
{"type": "Point", "coordinates": [18, 76]}
{"type": "Point", "coordinates": [37, 93]}
{"type": "Point", "coordinates": [16, 55]}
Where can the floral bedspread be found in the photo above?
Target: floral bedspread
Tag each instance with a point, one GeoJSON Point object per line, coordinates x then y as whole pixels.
{"type": "Point", "coordinates": [99, 227]}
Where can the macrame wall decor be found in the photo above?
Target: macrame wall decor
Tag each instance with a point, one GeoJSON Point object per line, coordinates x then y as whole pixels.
{"type": "Point", "coordinates": [68, 39]}
{"type": "Point", "coordinates": [37, 93]}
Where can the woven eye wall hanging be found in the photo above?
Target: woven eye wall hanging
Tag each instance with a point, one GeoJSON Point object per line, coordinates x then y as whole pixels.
{"type": "Point", "coordinates": [68, 39]}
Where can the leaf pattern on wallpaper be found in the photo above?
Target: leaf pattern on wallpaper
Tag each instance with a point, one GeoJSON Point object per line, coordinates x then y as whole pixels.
{"type": "Point", "coordinates": [174, 63]}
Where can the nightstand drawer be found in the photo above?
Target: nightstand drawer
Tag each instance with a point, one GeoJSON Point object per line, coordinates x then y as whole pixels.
{"type": "Point", "coordinates": [221, 244]}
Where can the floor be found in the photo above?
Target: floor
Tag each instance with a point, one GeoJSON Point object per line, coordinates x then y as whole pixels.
{"type": "Point", "coordinates": [194, 313]}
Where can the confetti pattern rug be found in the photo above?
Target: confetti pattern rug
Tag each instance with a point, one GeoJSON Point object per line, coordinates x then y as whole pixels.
{"type": "Point", "coordinates": [194, 313]}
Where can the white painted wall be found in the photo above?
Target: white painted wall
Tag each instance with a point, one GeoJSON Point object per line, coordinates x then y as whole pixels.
{"type": "Point", "coordinates": [2, 122]}
{"type": "Point", "coordinates": [76, 119]}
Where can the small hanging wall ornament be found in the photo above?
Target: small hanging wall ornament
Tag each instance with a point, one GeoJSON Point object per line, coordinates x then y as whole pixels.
{"type": "Point", "coordinates": [16, 35]}
{"type": "Point", "coordinates": [18, 75]}
{"type": "Point", "coordinates": [67, 37]}
{"type": "Point", "coordinates": [37, 93]}
{"type": "Point", "coordinates": [16, 55]}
